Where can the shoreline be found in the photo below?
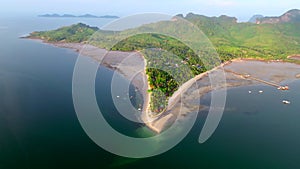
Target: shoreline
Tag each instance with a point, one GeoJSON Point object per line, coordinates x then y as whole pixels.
{"type": "Point", "coordinates": [166, 118]}
{"type": "Point", "coordinates": [159, 123]}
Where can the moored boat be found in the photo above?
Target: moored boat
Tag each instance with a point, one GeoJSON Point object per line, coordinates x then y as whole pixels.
{"type": "Point", "coordinates": [286, 102]}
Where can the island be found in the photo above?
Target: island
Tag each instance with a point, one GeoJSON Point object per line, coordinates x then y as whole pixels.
{"type": "Point", "coordinates": [255, 18]}
{"type": "Point", "coordinates": [236, 43]}
{"type": "Point", "coordinates": [79, 16]}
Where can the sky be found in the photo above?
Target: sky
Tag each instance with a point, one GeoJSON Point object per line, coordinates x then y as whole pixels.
{"type": "Point", "coordinates": [242, 9]}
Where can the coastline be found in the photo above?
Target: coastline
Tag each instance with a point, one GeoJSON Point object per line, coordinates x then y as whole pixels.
{"type": "Point", "coordinates": [132, 65]}
{"type": "Point", "coordinates": [268, 70]}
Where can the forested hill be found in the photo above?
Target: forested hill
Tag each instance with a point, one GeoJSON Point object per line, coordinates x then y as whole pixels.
{"type": "Point", "coordinates": [231, 39]}
{"type": "Point", "coordinates": [75, 33]}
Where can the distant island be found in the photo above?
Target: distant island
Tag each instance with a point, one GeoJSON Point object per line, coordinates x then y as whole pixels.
{"type": "Point", "coordinates": [232, 40]}
{"type": "Point", "coordinates": [77, 16]}
{"type": "Point", "coordinates": [255, 18]}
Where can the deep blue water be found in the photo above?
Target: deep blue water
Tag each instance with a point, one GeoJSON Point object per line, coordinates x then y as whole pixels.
{"type": "Point", "coordinates": [39, 128]}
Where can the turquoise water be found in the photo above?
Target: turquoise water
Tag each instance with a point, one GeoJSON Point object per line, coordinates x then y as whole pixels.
{"type": "Point", "coordinates": [39, 128]}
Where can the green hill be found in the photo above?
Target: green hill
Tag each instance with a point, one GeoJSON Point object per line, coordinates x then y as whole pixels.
{"type": "Point", "coordinates": [231, 39]}
{"type": "Point", "coordinates": [75, 33]}
{"type": "Point", "coordinates": [265, 41]}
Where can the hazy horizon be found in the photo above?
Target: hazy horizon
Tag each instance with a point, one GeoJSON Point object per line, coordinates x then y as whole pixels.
{"type": "Point", "coordinates": [243, 10]}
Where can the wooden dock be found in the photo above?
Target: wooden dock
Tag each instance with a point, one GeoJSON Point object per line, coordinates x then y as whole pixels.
{"type": "Point", "coordinates": [246, 76]}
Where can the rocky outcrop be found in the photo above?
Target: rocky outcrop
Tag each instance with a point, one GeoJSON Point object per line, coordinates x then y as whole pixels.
{"type": "Point", "coordinates": [291, 16]}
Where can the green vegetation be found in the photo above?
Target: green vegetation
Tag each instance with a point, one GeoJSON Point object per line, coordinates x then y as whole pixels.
{"type": "Point", "coordinates": [74, 33]}
{"type": "Point", "coordinates": [166, 70]}
{"type": "Point", "coordinates": [248, 40]}
{"type": "Point", "coordinates": [231, 40]}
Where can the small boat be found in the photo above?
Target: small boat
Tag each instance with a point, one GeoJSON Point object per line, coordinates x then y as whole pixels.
{"type": "Point", "coordinates": [286, 102]}
{"type": "Point", "coordinates": [283, 87]}
{"type": "Point", "coordinates": [261, 91]}
{"type": "Point", "coordinates": [250, 91]}
{"type": "Point", "coordinates": [118, 96]}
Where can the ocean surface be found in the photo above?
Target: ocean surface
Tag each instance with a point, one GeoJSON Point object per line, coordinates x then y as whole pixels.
{"type": "Point", "coordinates": [39, 128]}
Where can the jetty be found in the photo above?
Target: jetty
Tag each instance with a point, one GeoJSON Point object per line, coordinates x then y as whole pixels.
{"type": "Point", "coordinates": [247, 76]}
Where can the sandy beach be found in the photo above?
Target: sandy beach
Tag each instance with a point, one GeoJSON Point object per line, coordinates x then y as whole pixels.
{"type": "Point", "coordinates": [132, 66]}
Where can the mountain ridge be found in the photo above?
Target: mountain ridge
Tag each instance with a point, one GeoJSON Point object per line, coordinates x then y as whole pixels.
{"type": "Point", "coordinates": [288, 17]}
{"type": "Point", "coordinates": [232, 39]}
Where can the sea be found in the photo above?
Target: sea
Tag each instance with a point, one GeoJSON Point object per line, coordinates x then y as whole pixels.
{"type": "Point", "coordinates": [39, 128]}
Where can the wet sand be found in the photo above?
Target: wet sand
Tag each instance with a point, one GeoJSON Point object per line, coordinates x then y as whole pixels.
{"type": "Point", "coordinates": [132, 66]}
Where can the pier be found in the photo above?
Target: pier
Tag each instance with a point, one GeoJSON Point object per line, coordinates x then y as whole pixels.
{"type": "Point", "coordinates": [247, 76]}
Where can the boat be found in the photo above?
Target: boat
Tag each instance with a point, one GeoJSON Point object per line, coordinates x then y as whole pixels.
{"type": "Point", "coordinates": [283, 87]}
{"type": "Point", "coordinates": [286, 102]}
{"type": "Point", "coordinates": [250, 91]}
{"type": "Point", "coordinates": [261, 91]}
